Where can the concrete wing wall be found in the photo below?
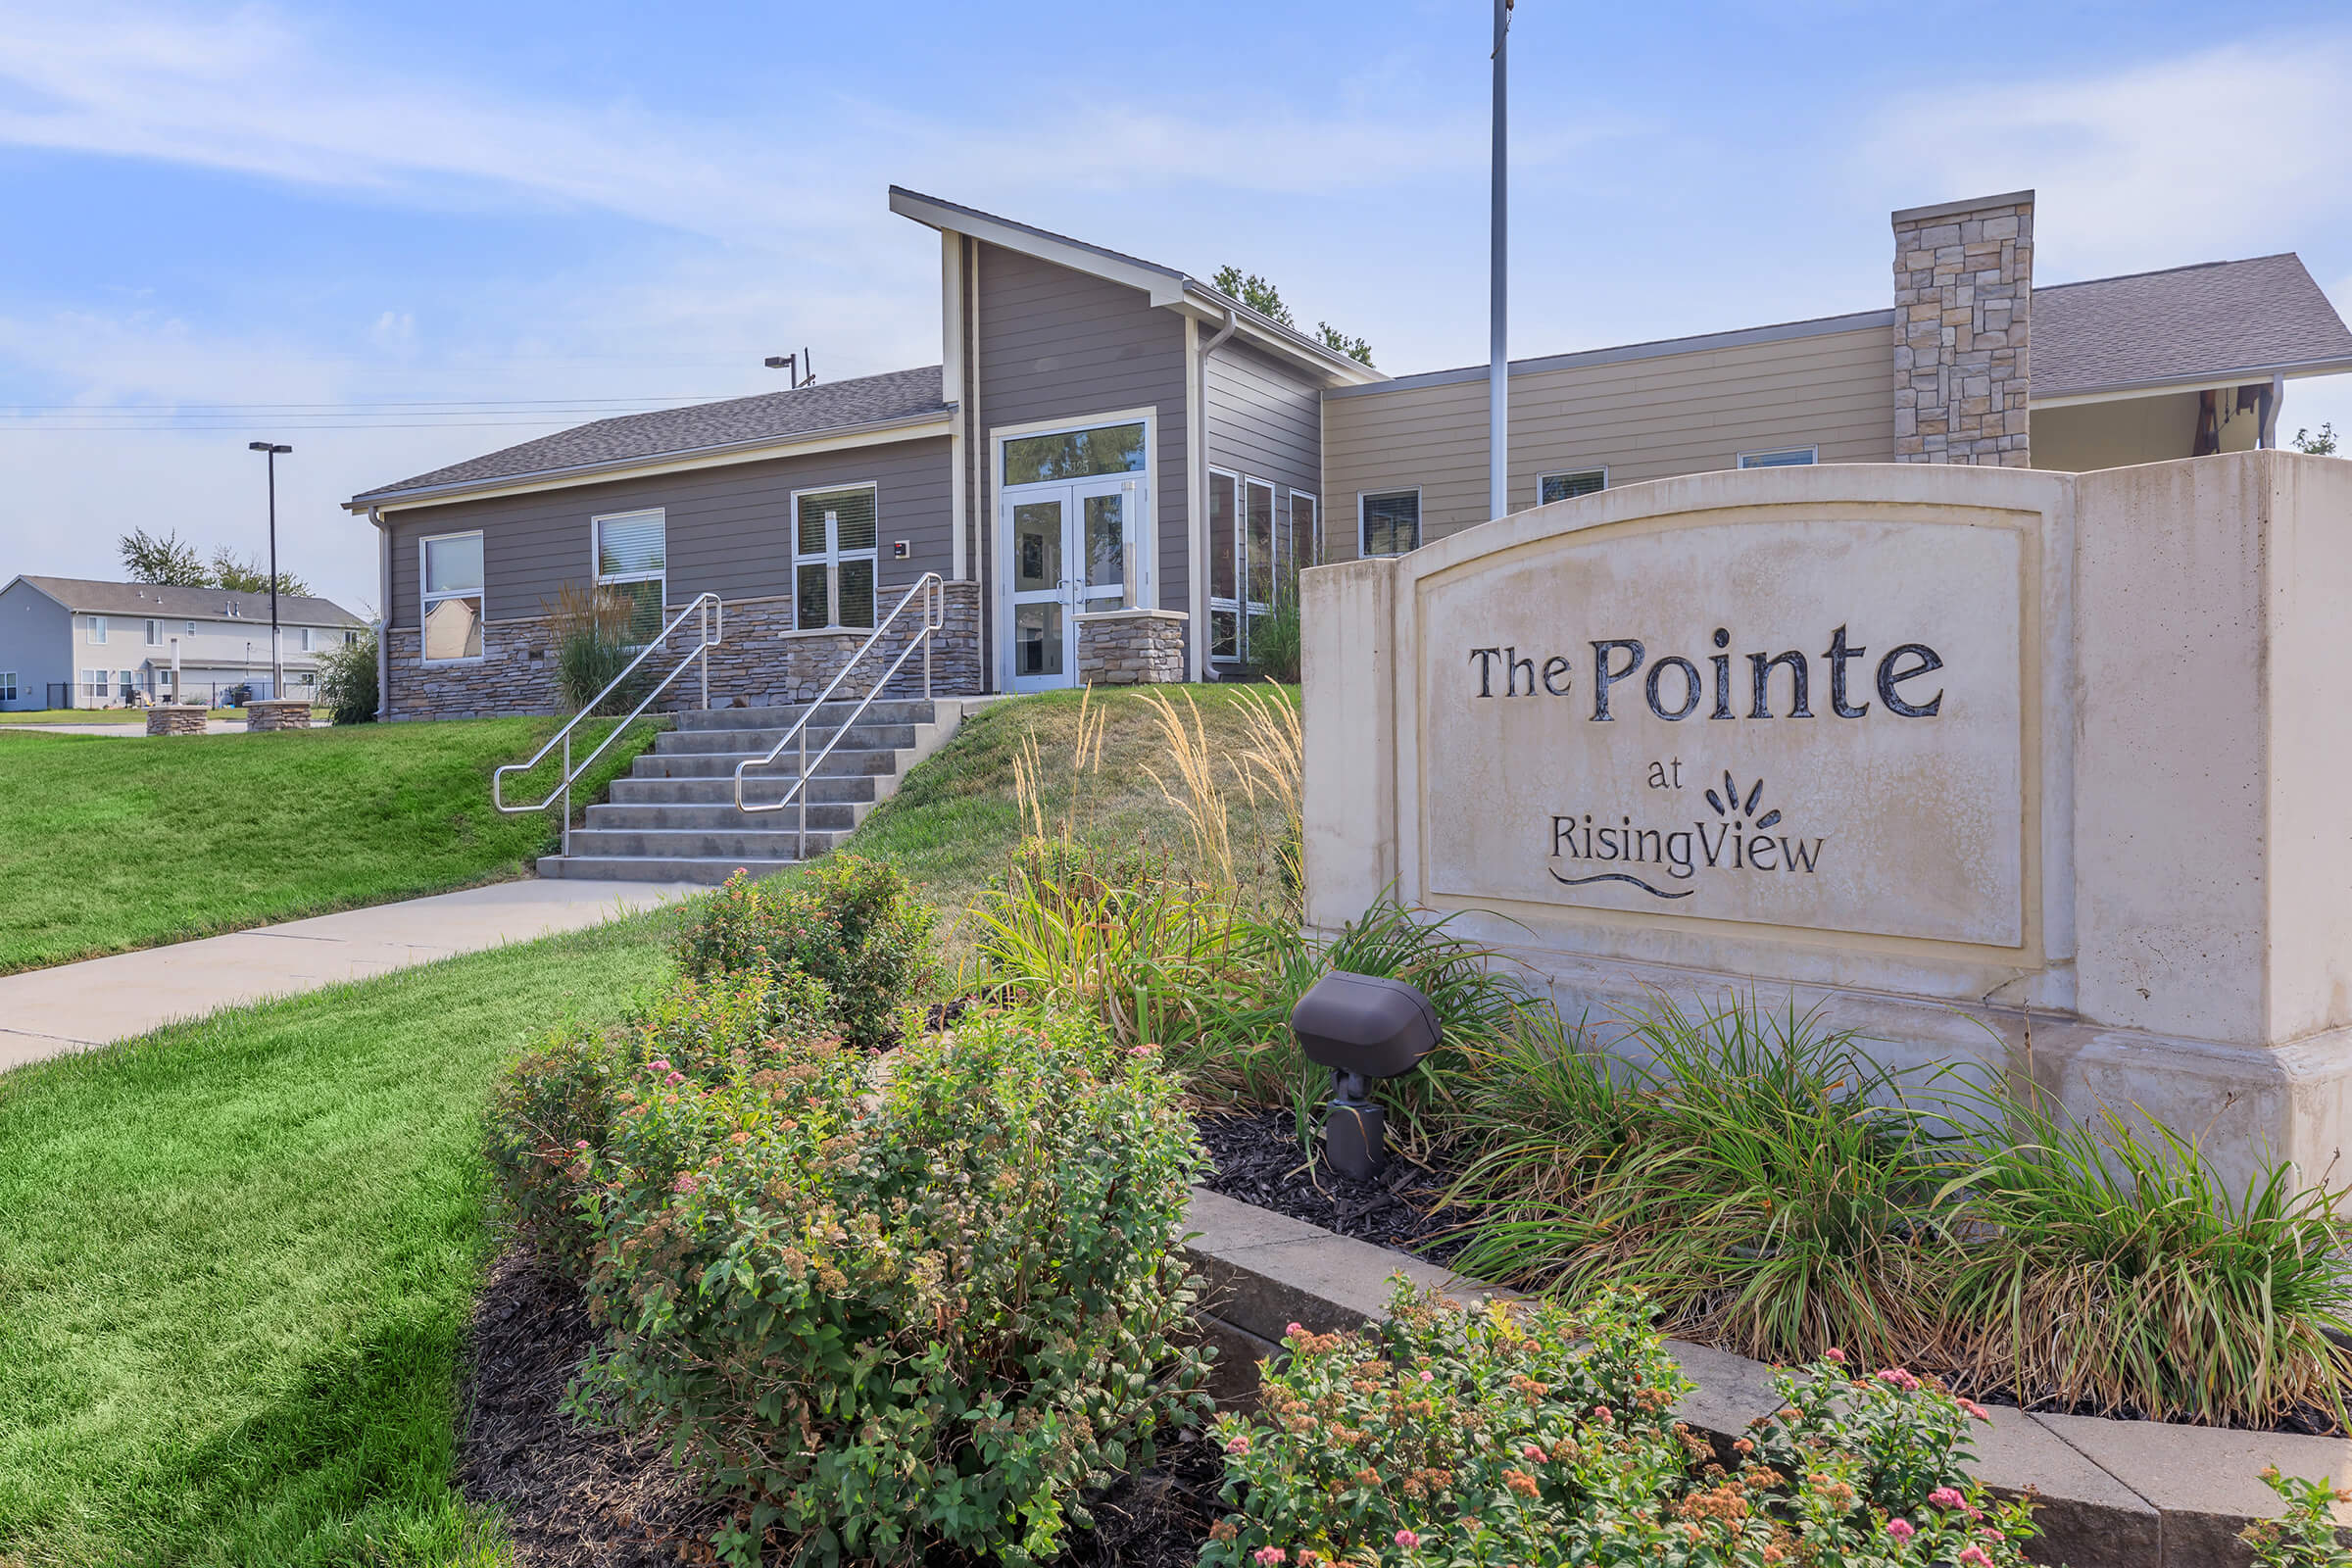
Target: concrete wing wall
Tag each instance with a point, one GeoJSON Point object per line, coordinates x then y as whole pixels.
{"type": "Point", "coordinates": [36, 643]}
{"type": "Point", "coordinates": [1648, 418]}
{"type": "Point", "coordinates": [730, 527]}
{"type": "Point", "coordinates": [1061, 345]}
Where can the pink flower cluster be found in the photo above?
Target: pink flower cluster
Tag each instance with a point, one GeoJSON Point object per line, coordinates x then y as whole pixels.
{"type": "Point", "coordinates": [1894, 1377]}
{"type": "Point", "coordinates": [1901, 1530]}
{"type": "Point", "coordinates": [1408, 1540]}
{"type": "Point", "coordinates": [1268, 1556]}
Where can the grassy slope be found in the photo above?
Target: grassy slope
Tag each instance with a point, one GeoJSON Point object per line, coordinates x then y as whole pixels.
{"type": "Point", "coordinates": [235, 1262]}
{"type": "Point", "coordinates": [118, 844]}
{"type": "Point", "coordinates": [953, 824]}
{"type": "Point", "coordinates": [235, 1256]}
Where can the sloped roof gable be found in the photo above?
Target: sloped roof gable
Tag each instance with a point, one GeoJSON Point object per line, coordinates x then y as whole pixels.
{"type": "Point", "coordinates": [2184, 325]}
{"type": "Point", "coordinates": [86, 596]}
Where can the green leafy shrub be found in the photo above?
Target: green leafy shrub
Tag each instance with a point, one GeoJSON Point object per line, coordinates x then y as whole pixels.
{"type": "Point", "coordinates": [347, 680]}
{"type": "Point", "coordinates": [1542, 1437]}
{"type": "Point", "coordinates": [595, 635]}
{"type": "Point", "coordinates": [886, 1317]}
{"type": "Point", "coordinates": [557, 1106]}
{"type": "Point", "coordinates": [852, 923]}
{"type": "Point", "coordinates": [2304, 1537]}
{"type": "Point", "coordinates": [1275, 639]}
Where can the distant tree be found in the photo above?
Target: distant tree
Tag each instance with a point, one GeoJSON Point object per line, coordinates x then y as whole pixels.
{"type": "Point", "coordinates": [2318, 446]}
{"type": "Point", "coordinates": [169, 560]}
{"type": "Point", "coordinates": [1265, 299]}
{"type": "Point", "coordinates": [252, 577]}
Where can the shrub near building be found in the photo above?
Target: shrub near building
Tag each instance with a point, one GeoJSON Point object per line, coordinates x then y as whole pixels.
{"type": "Point", "coordinates": [881, 1316]}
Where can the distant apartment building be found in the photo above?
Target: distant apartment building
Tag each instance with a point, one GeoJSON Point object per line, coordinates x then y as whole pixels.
{"type": "Point", "coordinates": [68, 642]}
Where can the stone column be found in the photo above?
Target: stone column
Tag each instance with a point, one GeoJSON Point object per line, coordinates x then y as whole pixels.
{"type": "Point", "coordinates": [283, 713]}
{"type": "Point", "coordinates": [175, 718]}
{"type": "Point", "coordinates": [1963, 315]}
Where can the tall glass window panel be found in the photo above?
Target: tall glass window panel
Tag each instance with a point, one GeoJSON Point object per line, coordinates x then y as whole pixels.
{"type": "Point", "coordinates": [1075, 454]}
{"type": "Point", "coordinates": [452, 581]}
{"type": "Point", "coordinates": [833, 539]}
{"type": "Point", "coordinates": [1106, 542]}
{"type": "Point", "coordinates": [1392, 522]}
{"type": "Point", "coordinates": [1037, 638]}
{"type": "Point", "coordinates": [632, 563]}
{"type": "Point", "coordinates": [1259, 565]}
{"type": "Point", "coordinates": [1566, 486]}
{"type": "Point", "coordinates": [1036, 546]}
{"type": "Point", "coordinates": [1223, 502]}
{"type": "Point", "coordinates": [1307, 530]}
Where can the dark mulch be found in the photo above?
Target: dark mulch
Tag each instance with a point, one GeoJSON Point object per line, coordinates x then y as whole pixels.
{"type": "Point", "coordinates": [1255, 1157]}
{"type": "Point", "coordinates": [580, 1496]}
{"type": "Point", "coordinates": [574, 1497]}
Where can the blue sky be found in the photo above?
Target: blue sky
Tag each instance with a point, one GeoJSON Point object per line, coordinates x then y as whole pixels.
{"type": "Point", "coordinates": [396, 238]}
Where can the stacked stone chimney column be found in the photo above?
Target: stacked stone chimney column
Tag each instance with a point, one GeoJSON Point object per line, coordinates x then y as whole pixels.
{"type": "Point", "coordinates": [1963, 318]}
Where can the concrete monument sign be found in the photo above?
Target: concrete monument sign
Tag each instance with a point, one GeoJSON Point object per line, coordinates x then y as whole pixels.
{"type": "Point", "coordinates": [2032, 767]}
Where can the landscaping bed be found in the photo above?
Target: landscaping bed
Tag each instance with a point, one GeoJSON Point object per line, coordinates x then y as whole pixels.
{"type": "Point", "coordinates": [1255, 1157]}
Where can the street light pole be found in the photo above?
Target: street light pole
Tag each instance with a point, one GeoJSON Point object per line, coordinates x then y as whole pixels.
{"type": "Point", "coordinates": [276, 676]}
{"type": "Point", "coordinates": [1499, 264]}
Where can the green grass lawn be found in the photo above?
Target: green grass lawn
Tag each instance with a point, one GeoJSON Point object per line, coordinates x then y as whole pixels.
{"type": "Point", "coordinates": [236, 1255]}
{"type": "Point", "coordinates": [235, 1263]}
{"type": "Point", "coordinates": [115, 844]}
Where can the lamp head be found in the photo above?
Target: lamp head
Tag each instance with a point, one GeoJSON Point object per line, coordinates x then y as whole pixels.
{"type": "Point", "coordinates": [266, 446]}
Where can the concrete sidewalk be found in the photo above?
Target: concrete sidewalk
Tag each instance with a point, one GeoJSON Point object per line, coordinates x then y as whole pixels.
{"type": "Point", "coordinates": [44, 1012]}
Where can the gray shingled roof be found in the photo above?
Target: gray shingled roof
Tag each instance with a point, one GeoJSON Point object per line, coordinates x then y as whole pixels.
{"type": "Point", "coordinates": [87, 597]}
{"type": "Point", "coordinates": [866, 400]}
{"type": "Point", "coordinates": [2189, 324]}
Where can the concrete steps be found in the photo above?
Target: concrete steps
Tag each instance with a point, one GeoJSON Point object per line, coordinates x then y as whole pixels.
{"type": "Point", "coordinates": [673, 817]}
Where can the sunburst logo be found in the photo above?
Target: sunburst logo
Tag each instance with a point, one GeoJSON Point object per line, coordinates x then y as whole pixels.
{"type": "Point", "coordinates": [1732, 805]}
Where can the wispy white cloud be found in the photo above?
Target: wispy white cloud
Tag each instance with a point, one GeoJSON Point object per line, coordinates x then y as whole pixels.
{"type": "Point", "coordinates": [2190, 159]}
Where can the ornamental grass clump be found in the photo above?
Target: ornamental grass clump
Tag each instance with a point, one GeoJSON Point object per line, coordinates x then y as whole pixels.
{"type": "Point", "coordinates": [882, 1314]}
{"type": "Point", "coordinates": [1542, 1437]}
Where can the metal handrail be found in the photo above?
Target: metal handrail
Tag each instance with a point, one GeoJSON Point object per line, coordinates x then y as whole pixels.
{"type": "Point", "coordinates": [934, 590]}
{"type": "Point", "coordinates": [711, 632]}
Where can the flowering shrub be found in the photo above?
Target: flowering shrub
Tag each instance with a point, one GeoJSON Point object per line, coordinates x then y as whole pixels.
{"type": "Point", "coordinates": [889, 1316]}
{"type": "Point", "coordinates": [557, 1103]}
{"type": "Point", "coordinates": [1538, 1436]}
{"type": "Point", "coordinates": [2304, 1537]}
{"type": "Point", "coordinates": [852, 923]}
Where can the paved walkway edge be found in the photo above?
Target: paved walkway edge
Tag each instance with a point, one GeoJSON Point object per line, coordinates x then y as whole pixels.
{"type": "Point", "coordinates": [2112, 1493]}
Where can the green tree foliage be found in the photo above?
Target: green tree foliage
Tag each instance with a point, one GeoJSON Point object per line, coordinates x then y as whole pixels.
{"type": "Point", "coordinates": [1262, 296]}
{"type": "Point", "coordinates": [166, 558]}
{"type": "Point", "coordinates": [251, 576]}
{"type": "Point", "coordinates": [347, 682]}
{"type": "Point", "coordinates": [2322, 445]}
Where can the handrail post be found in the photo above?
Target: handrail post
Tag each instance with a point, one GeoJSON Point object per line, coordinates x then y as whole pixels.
{"type": "Point", "coordinates": [704, 654]}
{"type": "Point", "coordinates": [568, 795]}
{"type": "Point", "coordinates": [801, 850]}
{"type": "Point", "coordinates": [925, 634]}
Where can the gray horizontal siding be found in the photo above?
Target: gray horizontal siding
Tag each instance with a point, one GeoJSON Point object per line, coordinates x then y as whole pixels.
{"type": "Point", "coordinates": [1057, 344]}
{"type": "Point", "coordinates": [729, 527]}
{"type": "Point", "coordinates": [1265, 422]}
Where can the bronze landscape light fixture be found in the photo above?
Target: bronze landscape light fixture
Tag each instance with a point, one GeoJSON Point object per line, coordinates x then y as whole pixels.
{"type": "Point", "coordinates": [1361, 1027]}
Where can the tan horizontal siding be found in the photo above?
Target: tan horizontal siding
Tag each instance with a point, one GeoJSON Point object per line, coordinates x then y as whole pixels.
{"type": "Point", "coordinates": [1648, 418]}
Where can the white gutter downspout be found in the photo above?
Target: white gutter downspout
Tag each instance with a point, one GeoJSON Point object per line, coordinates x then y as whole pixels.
{"type": "Point", "coordinates": [1200, 524]}
{"type": "Point", "coordinates": [383, 617]}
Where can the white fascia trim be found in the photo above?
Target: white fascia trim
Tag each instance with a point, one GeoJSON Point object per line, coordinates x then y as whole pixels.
{"type": "Point", "coordinates": [864, 435]}
{"type": "Point", "coordinates": [1165, 287]}
{"type": "Point", "coordinates": [1210, 305]}
{"type": "Point", "coordinates": [2216, 383]}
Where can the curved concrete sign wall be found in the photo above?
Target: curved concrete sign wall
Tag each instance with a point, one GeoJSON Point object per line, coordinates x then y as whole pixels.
{"type": "Point", "coordinates": [2037, 767]}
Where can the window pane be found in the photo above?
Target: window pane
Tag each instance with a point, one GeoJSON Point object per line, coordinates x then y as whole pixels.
{"type": "Point", "coordinates": [646, 615]}
{"type": "Point", "coordinates": [1391, 523]}
{"type": "Point", "coordinates": [856, 592]}
{"type": "Point", "coordinates": [1224, 636]}
{"type": "Point", "coordinates": [1106, 542]}
{"type": "Point", "coordinates": [636, 543]}
{"type": "Point", "coordinates": [452, 628]}
{"type": "Point", "coordinates": [1789, 458]}
{"type": "Point", "coordinates": [1563, 486]}
{"type": "Point", "coordinates": [1037, 638]}
{"type": "Point", "coordinates": [1036, 546]}
{"type": "Point", "coordinates": [852, 512]}
{"type": "Point", "coordinates": [454, 564]}
{"type": "Point", "coordinates": [1259, 544]}
{"type": "Point", "coordinates": [809, 580]}
{"type": "Point", "coordinates": [1221, 503]}
{"type": "Point", "coordinates": [1075, 454]}
{"type": "Point", "coordinates": [1305, 538]}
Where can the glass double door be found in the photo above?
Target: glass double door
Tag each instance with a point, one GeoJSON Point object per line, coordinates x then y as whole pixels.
{"type": "Point", "coordinates": [1069, 545]}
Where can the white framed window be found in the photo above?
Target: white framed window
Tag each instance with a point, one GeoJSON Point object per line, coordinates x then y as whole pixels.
{"type": "Point", "coordinates": [1569, 483]}
{"type": "Point", "coordinates": [93, 685]}
{"type": "Point", "coordinates": [633, 561]}
{"type": "Point", "coordinates": [833, 534]}
{"type": "Point", "coordinates": [8, 685]}
{"type": "Point", "coordinates": [129, 683]}
{"type": "Point", "coordinates": [1389, 521]}
{"type": "Point", "coordinates": [1306, 528]}
{"type": "Point", "coordinates": [450, 614]}
{"type": "Point", "coordinates": [155, 634]}
{"type": "Point", "coordinates": [95, 625]}
{"type": "Point", "coordinates": [191, 631]}
{"type": "Point", "coordinates": [1781, 457]}
{"type": "Point", "coordinates": [350, 637]}
{"type": "Point", "coordinates": [307, 640]}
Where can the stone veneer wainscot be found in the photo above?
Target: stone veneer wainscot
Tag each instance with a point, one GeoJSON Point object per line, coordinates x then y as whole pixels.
{"type": "Point", "coordinates": [761, 660]}
{"type": "Point", "coordinates": [1963, 316]}
{"type": "Point", "coordinates": [1131, 647]}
